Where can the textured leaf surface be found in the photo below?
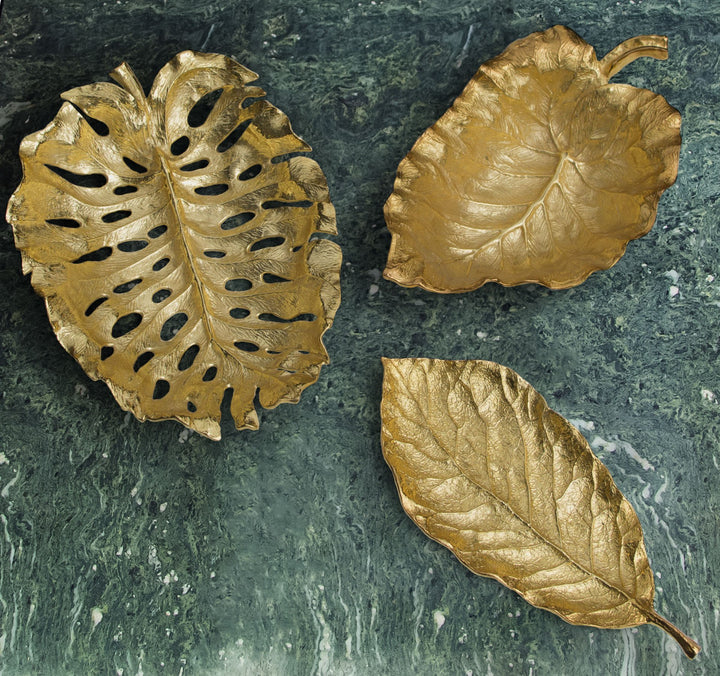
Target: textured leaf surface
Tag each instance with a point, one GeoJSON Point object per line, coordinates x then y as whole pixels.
{"type": "Point", "coordinates": [171, 238]}
{"type": "Point", "coordinates": [484, 467]}
{"type": "Point", "coordinates": [541, 171]}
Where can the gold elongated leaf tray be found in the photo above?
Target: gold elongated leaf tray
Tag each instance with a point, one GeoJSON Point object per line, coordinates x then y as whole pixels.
{"type": "Point", "coordinates": [484, 467]}
{"type": "Point", "coordinates": [172, 239]}
{"type": "Point", "coordinates": [541, 171]}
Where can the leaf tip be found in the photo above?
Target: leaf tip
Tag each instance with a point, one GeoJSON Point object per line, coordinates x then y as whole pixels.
{"type": "Point", "coordinates": [402, 265]}
{"type": "Point", "coordinates": [249, 421]}
{"type": "Point", "coordinates": [126, 78]}
{"type": "Point", "coordinates": [398, 273]}
{"type": "Point", "coordinates": [390, 363]}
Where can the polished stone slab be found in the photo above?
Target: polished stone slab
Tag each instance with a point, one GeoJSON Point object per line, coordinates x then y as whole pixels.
{"type": "Point", "coordinates": [130, 548]}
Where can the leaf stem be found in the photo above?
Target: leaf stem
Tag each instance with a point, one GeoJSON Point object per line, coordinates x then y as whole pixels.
{"type": "Point", "coordinates": [655, 46]}
{"type": "Point", "coordinates": [125, 77]}
{"type": "Point", "coordinates": [690, 647]}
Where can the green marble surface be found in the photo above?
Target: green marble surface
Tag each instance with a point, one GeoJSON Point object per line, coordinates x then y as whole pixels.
{"type": "Point", "coordinates": [131, 548]}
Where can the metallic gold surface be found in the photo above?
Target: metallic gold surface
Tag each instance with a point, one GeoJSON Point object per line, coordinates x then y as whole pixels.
{"type": "Point", "coordinates": [484, 467]}
{"type": "Point", "coordinates": [541, 171]}
{"type": "Point", "coordinates": [135, 215]}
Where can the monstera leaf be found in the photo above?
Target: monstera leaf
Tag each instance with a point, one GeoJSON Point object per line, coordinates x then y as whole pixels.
{"type": "Point", "coordinates": [172, 238]}
{"type": "Point", "coordinates": [541, 171]}
{"type": "Point", "coordinates": [484, 467]}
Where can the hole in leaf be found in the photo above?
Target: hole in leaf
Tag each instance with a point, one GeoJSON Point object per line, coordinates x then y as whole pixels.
{"type": "Point", "coordinates": [226, 403]}
{"type": "Point", "coordinates": [237, 220]}
{"type": "Point", "coordinates": [132, 245]}
{"type": "Point", "coordinates": [100, 128]}
{"type": "Point", "coordinates": [214, 254]}
{"type": "Point", "coordinates": [191, 407]}
{"type": "Point", "coordinates": [267, 317]}
{"type": "Point", "coordinates": [127, 286]}
{"type": "Point", "coordinates": [239, 313]}
{"type": "Point", "coordinates": [245, 346]}
{"type": "Point", "coordinates": [200, 112]}
{"type": "Point", "coordinates": [211, 190]}
{"type": "Point", "coordinates": [159, 265]}
{"type": "Point", "coordinates": [115, 216]}
{"type": "Point", "coordinates": [157, 231]}
{"type": "Point", "coordinates": [63, 222]}
{"type": "Point", "coordinates": [305, 317]}
{"type": "Point", "coordinates": [162, 387]}
{"type": "Point", "coordinates": [319, 235]}
{"type": "Point", "coordinates": [287, 156]}
{"type": "Point", "coordinates": [250, 172]}
{"type": "Point", "coordinates": [279, 204]}
{"type": "Point", "coordinates": [80, 180]}
{"type": "Point", "coordinates": [234, 136]}
{"type": "Point", "coordinates": [238, 284]}
{"type": "Point", "coordinates": [250, 100]}
{"type": "Point", "coordinates": [171, 327]}
{"type": "Point", "coordinates": [160, 296]}
{"type": "Point", "coordinates": [98, 255]}
{"type": "Point", "coordinates": [95, 305]}
{"type": "Point", "coordinates": [186, 361]}
{"type": "Point", "coordinates": [210, 374]}
{"type": "Point", "coordinates": [180, 145]}
{"type": "Point", "coordinates": [125, 324]}
{"type": "Point", "coordinates": [303, 352]}
{"type": "Point", "coordinates": [125, 189]}
{"type": "Point", "coordinates": [137, 168]}
{"type": "Point", "coordinates": [267, 243]}
{"type": "Point", "coordinates": [270, 278]}
{"type": "Point", "coordinates": [273, 352]}
{"type": "Point", "coordinates": [295, 249]}
{"type": "Point", "coordinates": [143, 359]}
{"type": "Point", "coordinates": [194, 166]}
{"type": "Point", "coordinates": [106, 351]}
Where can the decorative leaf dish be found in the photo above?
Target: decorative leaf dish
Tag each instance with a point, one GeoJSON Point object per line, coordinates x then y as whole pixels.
{"type": "Point", "coordinates": [172, 239]}
{"type": "Point", "coordinates": [541, 171]}
{"type": "Point", "coordinates": [484, 467]}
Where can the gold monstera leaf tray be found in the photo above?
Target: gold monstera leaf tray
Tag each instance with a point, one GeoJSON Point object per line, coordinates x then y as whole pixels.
{"type": "Point", "coordinates": [174, 239]}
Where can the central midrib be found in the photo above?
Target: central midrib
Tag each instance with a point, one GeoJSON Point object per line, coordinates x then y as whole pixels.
{"type": "Point", "coordinates": [188, 255]}
{"type": "Point", "coordinates": [195, 274]}
{"type": "Point", "coordinates": [554, 180]}
{"type": "Point", "coordinates": [136, 91]}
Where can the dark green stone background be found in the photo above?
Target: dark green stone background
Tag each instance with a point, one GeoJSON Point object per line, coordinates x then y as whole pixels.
{"type": "Point", "coordinates": [289, 543]}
